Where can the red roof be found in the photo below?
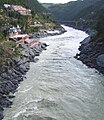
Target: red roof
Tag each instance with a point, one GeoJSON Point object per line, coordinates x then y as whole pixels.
{"type": "Point", "coordinates": [28, 40]}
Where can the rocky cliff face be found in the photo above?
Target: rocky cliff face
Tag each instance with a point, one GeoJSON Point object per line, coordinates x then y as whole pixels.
{"type": "Point", "coordinates": [92, 53]}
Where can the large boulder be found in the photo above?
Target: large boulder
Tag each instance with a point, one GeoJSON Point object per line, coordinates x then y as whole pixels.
{"type": "Point", "coordinates": [100, 60]}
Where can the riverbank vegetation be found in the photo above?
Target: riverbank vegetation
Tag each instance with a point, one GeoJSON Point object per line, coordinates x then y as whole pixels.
{"type": "Point", "coordinates": [8, 49]}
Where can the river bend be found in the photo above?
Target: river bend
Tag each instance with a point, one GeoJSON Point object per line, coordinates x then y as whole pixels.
{"type": "Point", "coordinates": [59, 87]}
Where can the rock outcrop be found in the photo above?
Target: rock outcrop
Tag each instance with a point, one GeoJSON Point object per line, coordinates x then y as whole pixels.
{"type": "Point", "coordinates": [92, 53]}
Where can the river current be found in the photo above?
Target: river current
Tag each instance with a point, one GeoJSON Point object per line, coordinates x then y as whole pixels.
{"type": "Point", "coordinates": [59, 87]}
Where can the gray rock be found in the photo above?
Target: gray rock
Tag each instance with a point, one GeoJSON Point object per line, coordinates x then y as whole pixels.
{"type": "Point", "coordinates": [25, 53]}
{"type": "Point", "coordinates": [1, 115]}
{"type": "Point", "coordinates": [100, 60]}
{"type": "Point", "coordinates": [86, 40]}
{"type": "Point", "coordinates": [17, 59]}
{"type": "Point", "coordinates": [31, 53]}
{"type": "Point", "coordinates": [23, 60]}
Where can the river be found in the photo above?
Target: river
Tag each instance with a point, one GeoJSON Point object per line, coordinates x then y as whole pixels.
{"type": "Point", "coordinates": [59, 87]}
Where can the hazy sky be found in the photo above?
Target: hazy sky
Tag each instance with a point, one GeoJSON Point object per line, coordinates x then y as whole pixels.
{"type": "Point", "coordinates": [55, 1]}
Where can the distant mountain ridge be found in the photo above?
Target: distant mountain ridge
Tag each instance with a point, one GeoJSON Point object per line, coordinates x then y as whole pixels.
{"type": "Point", "coordinates": [47, 5]}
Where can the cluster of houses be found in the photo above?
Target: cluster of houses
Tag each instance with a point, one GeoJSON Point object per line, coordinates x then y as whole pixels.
{"type": "Point", "coordinates": [18, 8]}
{"type": "Point", "coordinates": [23, 11]}
{"type": "Point", "coordinates": [15, 32]}
{"type": "Point", "coordinates": [16, 36]}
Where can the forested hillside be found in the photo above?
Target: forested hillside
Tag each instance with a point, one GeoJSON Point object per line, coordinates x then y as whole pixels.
{"type": "Point", "coordinates": [94, 12]}
{"type": "Point", "coordinates": [70, 10]}
{"type": "Point", "coordinates": [35, 6]}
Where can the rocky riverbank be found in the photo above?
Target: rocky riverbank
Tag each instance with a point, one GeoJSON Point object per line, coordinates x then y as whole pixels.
{"type": "Point", "coordinates": [14, 72]}
{"type": "Point", "coordinates": [91, 49]}
{"type": "Point", "coordinates": [45, 33]}
{"type": "Point", "coordinates": [82, 27]}
{"type": "Point", "coordinates": [92, 53]}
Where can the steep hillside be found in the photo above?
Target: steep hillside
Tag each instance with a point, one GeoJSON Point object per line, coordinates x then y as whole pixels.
{"type": "Point", "coordinates": [94, 12]}
{"type": "Point", "coordinates": [92, 48]}
{"type": "Point", "coordinates": [34, 5]}
{"type": "Point", "coordinates": [19, 2]}
{"type": "Point", "coordinates": [68, 11]}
